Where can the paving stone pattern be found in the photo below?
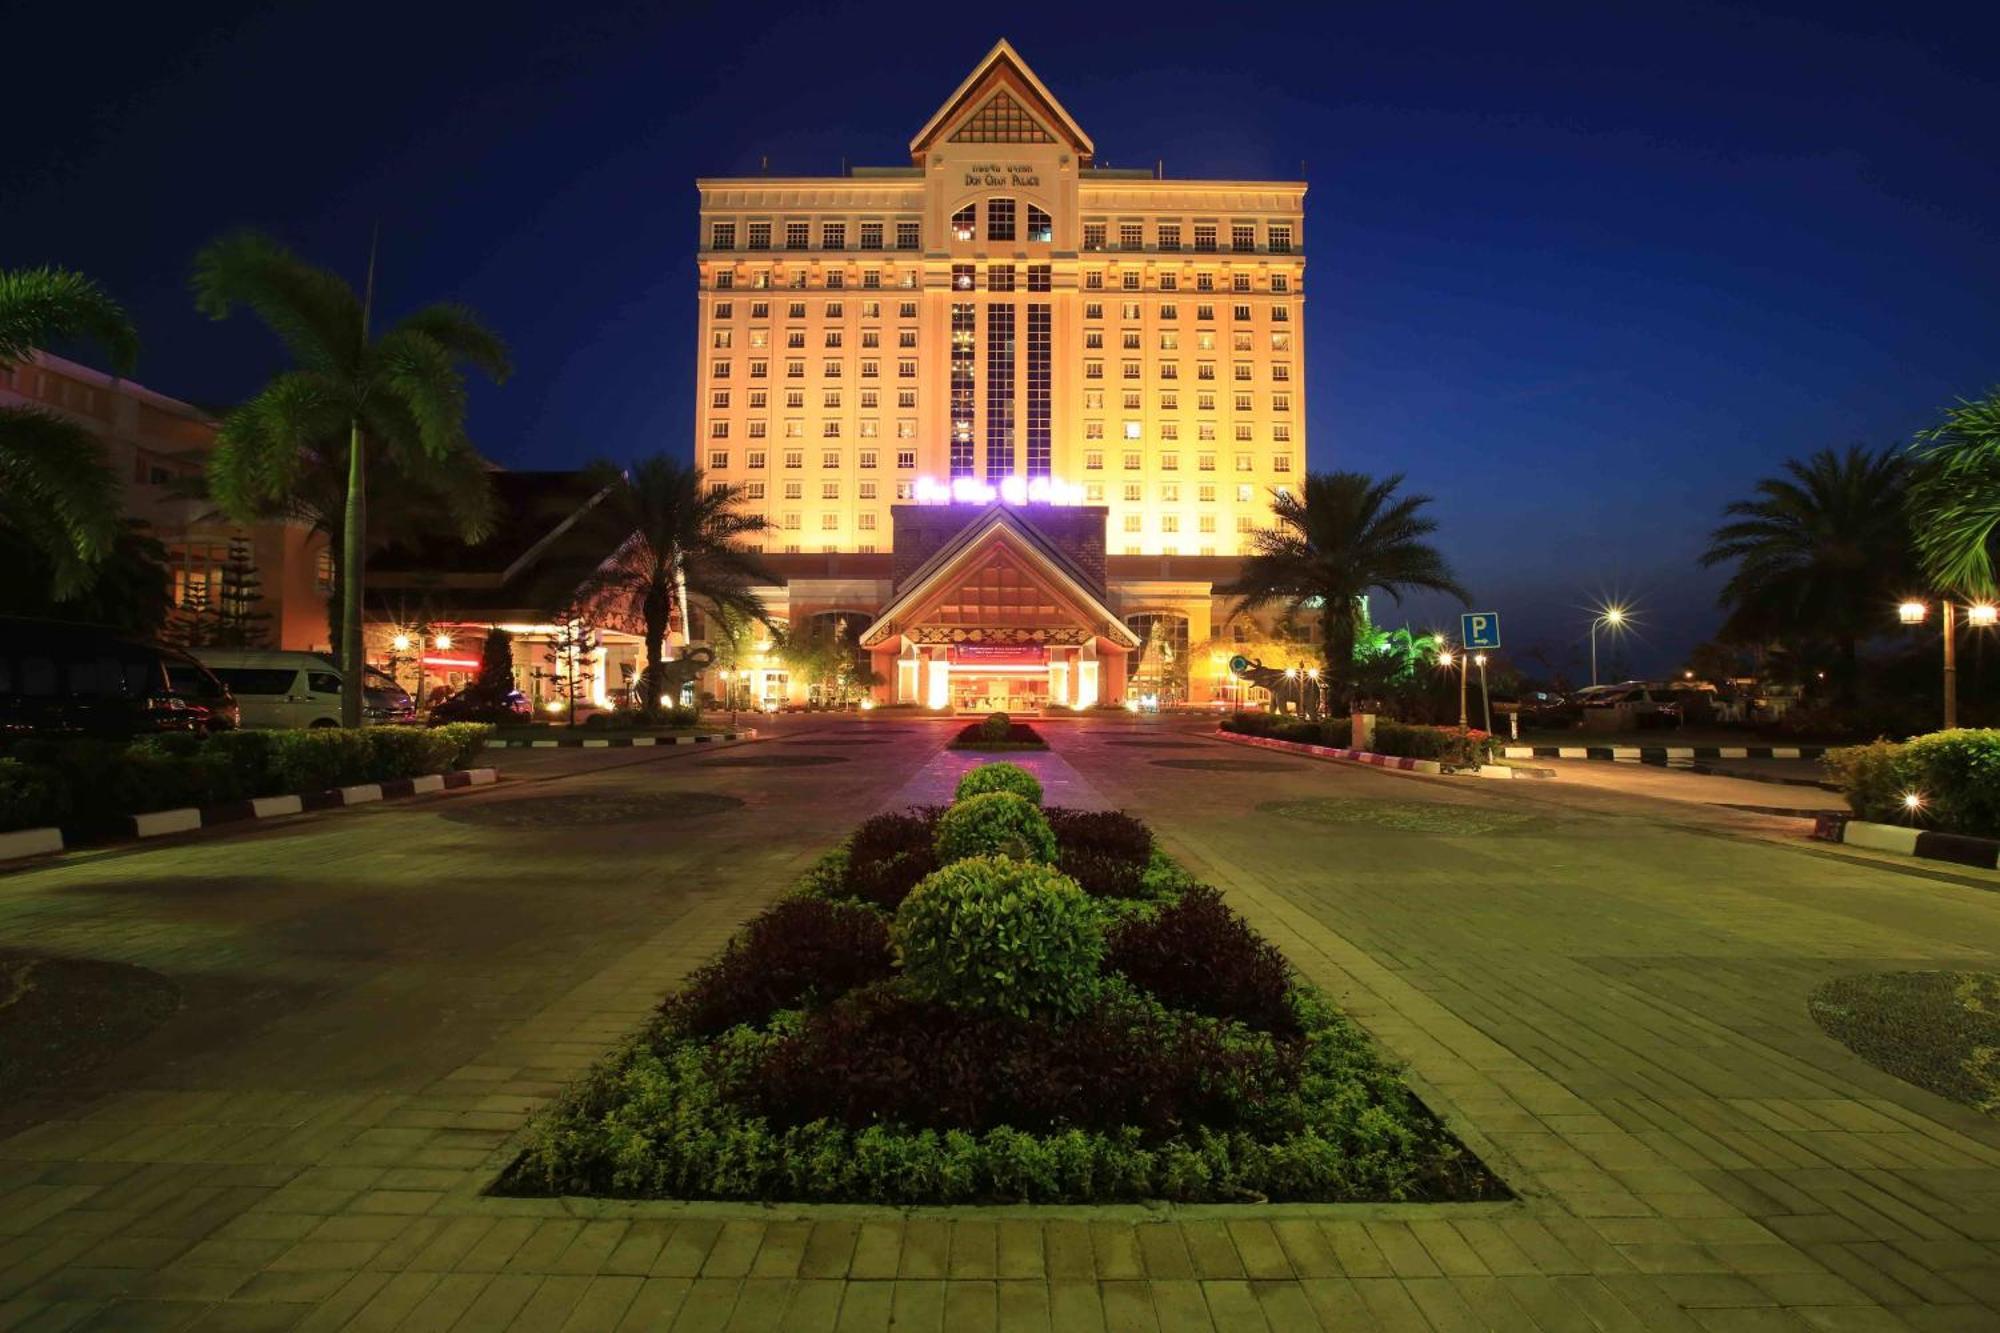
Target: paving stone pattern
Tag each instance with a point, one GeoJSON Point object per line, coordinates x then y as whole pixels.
{"type": "Point", "coordinates": [1609, 1008]}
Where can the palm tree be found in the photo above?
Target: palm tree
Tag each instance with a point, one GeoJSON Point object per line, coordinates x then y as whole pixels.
{"type": "Point", "coordinates": [676, 541]}
{"type": "Point", "coordinates": [1342, 537]}
{"type": "Point", "coordinates": [56, 490]}
{"type": "Point", "coordinates": [401, 393]}
{"type": "Point", "coordinates": [1820, 554]}
{"type": "Point", "coordinates": [1955, 499]}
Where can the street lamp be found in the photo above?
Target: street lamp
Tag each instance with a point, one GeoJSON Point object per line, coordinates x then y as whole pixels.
{"type": "Point", "coordinates": [1983, 615]}
{"type": "Point", "coordinates": [1485, 695]}
{"type": "Point", "coordinates": [1613, 619]}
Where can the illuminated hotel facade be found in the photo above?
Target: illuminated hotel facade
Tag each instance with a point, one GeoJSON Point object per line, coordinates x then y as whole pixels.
{"type": "Point", "coordinates": [1101, 369]}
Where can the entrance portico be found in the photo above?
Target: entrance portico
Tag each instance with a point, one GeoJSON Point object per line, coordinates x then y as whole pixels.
{"type": "Point", "coordinates": [999, 619]}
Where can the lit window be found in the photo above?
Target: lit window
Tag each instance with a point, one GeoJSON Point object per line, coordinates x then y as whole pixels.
{"type": "Point", "coordinates": [965, 222]}
{"type": "Point", "coordinates": [1093, 235]}
{"type": "Point", "coordinates": [1039, 226]}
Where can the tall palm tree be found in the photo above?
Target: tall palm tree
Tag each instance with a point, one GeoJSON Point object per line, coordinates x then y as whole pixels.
{"type": "Point", "coordinates": [56, 490]}
{"type": "Point", "coordinates": [1955, 499]}
{"type": "Point", "coordinates": [677, 543]}
{"type": "Point", "coordinates": [1343, 536]}
{"type": "Point", "coordinates": [400, 393]}
{"type": "Point", "coordinates": [1820, 554]}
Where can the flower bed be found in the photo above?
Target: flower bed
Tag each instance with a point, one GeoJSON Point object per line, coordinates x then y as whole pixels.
{"type": "Point", "coordinates": [992, 1002]}
{"type": "Point", "coordinates": [91, 785]}
{"type": "Point", "coordinates": [997, 731]}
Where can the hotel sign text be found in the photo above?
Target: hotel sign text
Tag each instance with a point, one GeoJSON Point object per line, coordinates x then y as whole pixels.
{"type": "Point", "coordinates": [995, 173]}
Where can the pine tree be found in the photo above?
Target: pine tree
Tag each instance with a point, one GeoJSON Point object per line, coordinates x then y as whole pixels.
{"type": "Point", "coordinates": [496, 669]}
{"type": "Point", "coordinates": [239, 620]}
{"type": "Point", "coordinates": [569, 650]}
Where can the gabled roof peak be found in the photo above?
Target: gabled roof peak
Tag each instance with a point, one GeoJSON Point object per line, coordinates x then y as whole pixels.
{"type": "Point", "coordinates": [1030, 114]}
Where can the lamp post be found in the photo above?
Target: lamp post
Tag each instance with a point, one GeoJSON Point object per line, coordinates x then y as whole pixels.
{"type": "Point", "coordinates": [1611, 617]}
{"type": "Point", "coordinates": [1448, 659]}
{"type": "Point", "coordinates": [1983, 615]}
{"type": "Point", "coordinates": [1485, 696]}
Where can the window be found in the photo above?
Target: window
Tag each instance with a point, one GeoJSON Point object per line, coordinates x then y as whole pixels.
{"type": "Point", "coordinates": [1281, 434]}
{"type": "Point", "coordinates": [1093, 310]}
{"type": "Point", "coordinates": [1093, 460]}
{"type": "Point", "coordinates": [1170, 523]}
{"type": "Point", "coordinates": [1170, 462]}
{"type": "Point", "coordinates": [1132, 492]}
{"type": "Point", "coordinates": [871, 279]}
{"type": "Point", "coordinates": [1169, 235]}
{"type": "Point", "coordinates": [1281, 463]}
{"type": "Point", "coordinates": [965, 222]}
{"type": "Point", "coordinates": [760, 310]}
{"type": "Point", "coordinates": [833, 337]}
{"type": "Point", "coordinates": [1170, 282]}
{"type": "Point", "coordinates": [1129, 309]}
{"type": "Point", "coordinates": [756, 430]}
{"type": "Point", "coordinates": [794, 458]}
{"type": "Point", "coordinates": [866, 522]}
{"type": "Point", "coordinates": [1280, 283]}
{"type": "Point", "coordinates": [1204, 282]}
{"type": "Point", "coordinates": [1281, 314]}
{"type": "Point", "coordinates": [1093, 370]}
{"type": "Point", "coordinates": [906, 397]}
{"type": "Point", "coordinates": [1244, 523]}
{"type": "Point", "coordinates": [829, 522]}
{"type": "Point", "coordinates": [906, 370]}
{"type": "Point", "coordinates": [1242, 341]}
{"type": "Point", "coordinates": [795, 398]}
{"type": "Point", "coordinates": [1132, 399]}
{"type": "Point", "coordinates": [1242, 237]}
{"type": "Point", "coordinates": [871, 239]}
{"type": "Point", "coordinates": [871, 338]}
{"type": "Point", "coordinates": [1000, 278]}
{"type": "Point", "coordinates": [1245, 492]}
{"type": "Point", "coordinates": [755, 458]}
{"type": "Point", "coordinates": [1205, 493]}
{"type": "Point", "coordinates": [760, 236]}
{"type": "Point", "coordinates": [1130, 370]}
{"type": "Point", "coordinates": [906, 429]}
{"type": "Point", "coordinates": [831, 370]}
{"type": "Point", "coordinates": [906, 310]}
{"type": "Point", "coordinates": [908, 236]}
{"type": "Point", "coordinates": [870, 428]}
{"type": "Point", "coordinates": [719, 370]}
{"type": "Point", "coordinates": [868, 456]}
{"type": "Point", "coordinates": [760, 370]}
{"type": "Point", "coordinates": [1281, 402]}
{"type": "Point", "coordinates": [833, 236]}
{"type": "Point", "coordinates": [719, 400]}
{"type": "Point", "coordinates": [1279, 234]}
{"type": "Point", "coordinates": [792, 521]}
{"type": "Point", "coordinates": [1170, 311]}
{"type": "Point", "coordinates": [1170, 400]}
{"type": "Point", "coordinates": [1204, 311]}
{"type": "Point", "coordinates": [795, 490]}
{"type": "Point", "coordinates": [906, 490]}
{"type": "Point", "coordinates": [829, 490]}
{"type": "Point", "coordinates": [1093, 493]}
{"type": "Point", "coordinates": [1093, 281]}
{"type": "Point", "coordinates": [1039, 278]}
{"type": "Point", "coordinates": [1243, 432]}
{"type": "Point", "coordinates": [1239, 282]}
{"type": "Point", "coordinates": [722, 236]}
{"type": "Point", "coordinates": [962, 277]}
{"type": "Point", "coordinates": [1131, 460]}
{"type": "Point", "coordinates": [1206, 430]}
{"type": "Point", "coordinates": [999, 219]}
{"type": "Point", "coordinates": [1132, 522]}
{"type": "Point", "coordinates": [1170, 430]}
{"type": "Point", "coordinates": [1128, 281]}
{"type": "Point", "coordinates": [1207, 522]}
{"type": "Point", "coordinates": [1131, 340]}
{"type": "Point", "coordinates": [798, 235]}
{"type": "Point", "coordinates": [1242, 402]}
{"type": "Point", "coordinates": [1131, 236]}
{"type": "Point", "coordinates": [1204, 238]}
{"type": "Point", "coordinates": [905, 458]}
{"type": "Point", "coordinates": [1039, 226]}
{"type": "Point", "coordinates": [871, 369]}
{"type": "Point", "coordinates": [718, 460]}
{"type": "Point", "coordinates": [1093, 235]}
{"type": "Point", "coordinates": [1242, 370]}
{"type": "Point", "coordinates": [1132, 430]}
{"type": "Point", "coordinates": [830, 458]}
{"type": "Point", "coordinates": [753, 490]}
{"type": "Point", "coordinates": [836, 279]}
{"type": "Point", "coordinates": [1244, 463]}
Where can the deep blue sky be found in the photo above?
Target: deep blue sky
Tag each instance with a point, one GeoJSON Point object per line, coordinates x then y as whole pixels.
{"type": "Point", "coordinates": [1583, 272]}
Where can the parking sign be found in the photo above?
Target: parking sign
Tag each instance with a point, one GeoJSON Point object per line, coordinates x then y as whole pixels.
{"type": "Point", "coordinates": [1480, 629]}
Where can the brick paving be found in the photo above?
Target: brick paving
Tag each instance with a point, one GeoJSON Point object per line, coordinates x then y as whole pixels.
{"type": "Point", "coordinates": [1607, 1002]}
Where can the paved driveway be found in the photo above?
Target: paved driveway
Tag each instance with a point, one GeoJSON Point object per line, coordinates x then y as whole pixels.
{"type": "Point", "coordinates": [1605, 994]}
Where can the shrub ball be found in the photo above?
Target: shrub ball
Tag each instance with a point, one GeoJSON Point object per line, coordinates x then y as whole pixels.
{"type": "Point", "coordinates": [1000, 777]}
{"type": "Point", "coordinates": [991, 935]}
{"type": "Point", "coordinates": [1197, 954]}
{"type": "Point", "coordinates": [889, 854]}
{"type": "Point", "coordinates": [998, 823]}
{"type": "Point", "coordinates": [803, 948]}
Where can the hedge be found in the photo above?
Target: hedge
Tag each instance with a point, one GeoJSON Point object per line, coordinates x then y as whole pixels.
{"type": "Point", "coordinates": [1955, 775]}
{"type": "Point", "coordinates": [92, 784]}
{"type": "Point", "coordinates": [1404, 739]}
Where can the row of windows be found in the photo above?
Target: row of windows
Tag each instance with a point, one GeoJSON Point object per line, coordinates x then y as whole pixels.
{"type": "Point", "coordinates": [757, 459]}
{"type": "Point", "coordinates": [1132, 280]}
{"type": "Point", "coordinates": [796, 369]}
{"type": "Point", "coordinates": [1243, 372]}
{"type": "Point", "coordinates": [1170, 461]}
{"type": "Point", "coordinates": [834, 279]}
{"type": "Point", "coordinates": [1242, 340]}
{"type": "Point", "coordinates": [796, 398]}
{"type": "Point", "coordinates": [1170, 431]}
{"type": "Point", "coordinates": [869, 235]}
{"type": "Point", "coordinates": [833, 310]}
{"type": "Point", "coordinates": [1170, 400]}
{"type": "Point", "coordinates": [1001, 223]}
{"type": "Point", "coordinates": [1206, 235]}
{"type": "Point", "coordinates": [724, 339]}
{"type": "Point", "coordinates": [829, 429]}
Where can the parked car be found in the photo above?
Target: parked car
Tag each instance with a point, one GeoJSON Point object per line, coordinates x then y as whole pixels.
{"type": "Point", "coordinates": [468, 706]}
{"type": "Point", "coordinates": [300, 689]}
{"type": "Point", "coordinates": [1645, 705]}
{"type": "Point", "coordinates": [60, 679]}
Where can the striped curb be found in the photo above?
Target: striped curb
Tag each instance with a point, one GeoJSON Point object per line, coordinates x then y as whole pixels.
{"type": "Point", "coordinates": [1391, 761]}
{"type": "Point", "coordinates": [621, 742]}
{"type": "Point", "coordinates": [1660, 754]}
{"type": "Point", "coordinates": [159, 823]}
{"type": "Point", "coordinates": [1958, 848]}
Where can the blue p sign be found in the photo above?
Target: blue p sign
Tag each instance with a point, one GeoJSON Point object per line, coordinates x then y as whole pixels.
{"type": "Point", "coordinates": [1480, 629]}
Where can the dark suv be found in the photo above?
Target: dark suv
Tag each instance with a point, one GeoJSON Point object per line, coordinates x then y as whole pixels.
{"type": "Point", "coordinates": [59, 679]}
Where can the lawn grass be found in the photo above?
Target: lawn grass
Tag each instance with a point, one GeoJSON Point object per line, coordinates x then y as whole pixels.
{"type": "Point", "coordinates": [1938, 1030]}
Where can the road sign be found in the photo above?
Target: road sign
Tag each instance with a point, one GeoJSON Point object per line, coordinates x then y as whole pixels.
{"type": "Point", "coordinates": [1480, 629]}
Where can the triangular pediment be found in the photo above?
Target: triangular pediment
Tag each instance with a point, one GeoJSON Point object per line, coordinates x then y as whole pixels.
{"type": "Point", "coordinates": [997, 573]}
{"type": "Point", "coordinates": [1002, 102]}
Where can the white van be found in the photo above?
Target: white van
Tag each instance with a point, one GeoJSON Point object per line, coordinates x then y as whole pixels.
{"type": "Point", "coordinates": [281, 689]}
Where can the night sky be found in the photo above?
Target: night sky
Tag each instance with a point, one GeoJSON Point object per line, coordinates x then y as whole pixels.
{"type": "Point", "coordinates": [1582, 272]}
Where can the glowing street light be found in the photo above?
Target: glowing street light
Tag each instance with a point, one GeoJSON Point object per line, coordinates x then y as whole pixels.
{"type": "Point", "coordinates": [1612, 618]}
{"type": "Point", "coordinates": [1912, 613]}
{"type": "Point", "coordinates": [1981, 615]}
{"type": "Point", "coordinates": [443, 641]}
{"type": "Point", "coordinates": [401, 643]}
{"type": "Point", "coordinates": [1445, 658]}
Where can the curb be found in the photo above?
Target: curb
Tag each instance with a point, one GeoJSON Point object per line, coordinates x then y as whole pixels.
{"type": "Point", "coordinates": [1390, 761]}
{"type": "Point", "coordinates": [1640, 754]}
{"type": "Point", "coordinates": [621, 742]}
{"type": "Point", "coordinates": [1958, 848]}
{"type": "Point", "coordinates": [159, 823]}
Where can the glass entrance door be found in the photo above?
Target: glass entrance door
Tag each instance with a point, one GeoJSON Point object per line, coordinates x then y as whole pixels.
{"type": "Point", "coordinates": [999, 692]}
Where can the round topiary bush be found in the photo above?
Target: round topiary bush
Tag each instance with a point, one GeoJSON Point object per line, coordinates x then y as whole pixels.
{"type": "Point", "coordinates": [999, 777]}
{"type": "Point", "coordinates": [996, 726]}
{"type": "Point", "coordinates": [997, 823]}
{"type": "Point", "coordinates": [993, 935]}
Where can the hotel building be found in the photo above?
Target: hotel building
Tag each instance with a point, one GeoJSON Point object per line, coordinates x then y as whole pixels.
{"type": "Point", "coordinates": [1105, 362]}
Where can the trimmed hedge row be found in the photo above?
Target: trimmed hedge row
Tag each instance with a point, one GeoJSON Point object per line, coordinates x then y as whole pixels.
{"type": "Point", "coordinates": [1954, 776]}
{"type": "Point", "coordinates": [91, 784]}
{"type": "Point", "coordinates": [1407, 740]}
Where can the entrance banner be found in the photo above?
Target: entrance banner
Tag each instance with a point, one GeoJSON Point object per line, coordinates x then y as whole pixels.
{"type": "Point", "coordinates": [998, 654]}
